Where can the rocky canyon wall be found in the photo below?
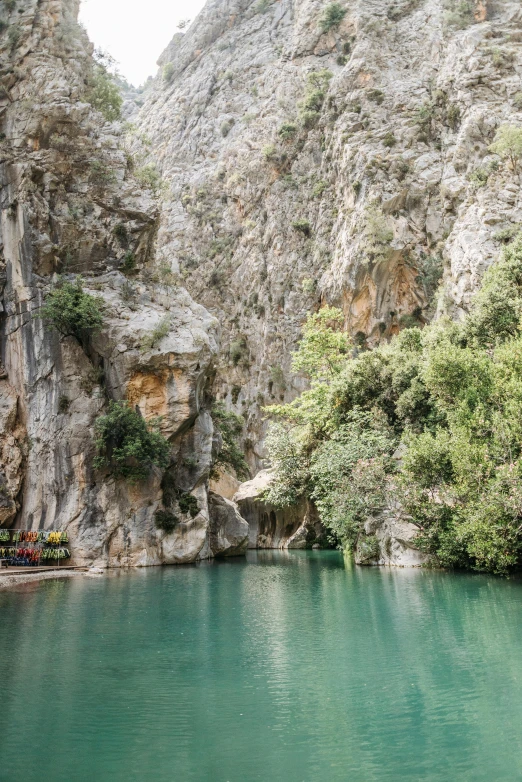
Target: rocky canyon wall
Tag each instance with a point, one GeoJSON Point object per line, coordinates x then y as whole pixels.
{"type": "Point", "coordinates": [347, 166]}
{"type": "Point", "coordinates": [70, 205]}
{"type": "Point", "coordinates": [278, 162]}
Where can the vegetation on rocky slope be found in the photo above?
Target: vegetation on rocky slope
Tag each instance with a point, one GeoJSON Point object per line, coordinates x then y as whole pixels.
{"type": "Point", "coordinates": [127, 445]}
{"type": "Point", "coordinates": [430, 421]}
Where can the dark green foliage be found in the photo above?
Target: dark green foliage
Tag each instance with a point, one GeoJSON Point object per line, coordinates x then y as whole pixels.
{"type": "Point", "coordinates": [498, 305]}
{"type": "Point", "coordinates": [128, 263]}
{"type": "Point", "coordinates": [332, 16]}
{"type": "Point", "coordinates": [313, 100]}
{"type": "Point", "coordinates": [127, 445]}
{"type": "Point", "coordinates": [238, 350]}
{"type": "Point", "coordinates": [104, 94]}
{"type": "Point", "coordinates": [287, 130]}
{"type": "Point", "coordinates": [453, 116]}
{"type": "Point", "coordinates": [63, 404]}
{"type": "Point", "coordinates": [431, 268]}
{"type": "Point", "coordinates": [451, 396]}
{"type": "Point", "coordinates": [302, 226]}
{"type": "Point", "coordinates": [71, 311]}
{"type": "Point", "coordinates": [377, 96]}
{"type": "Point", "coordinates": [165, 520]}
{"type": "Point", "coordinates": [188, 504]}
{"type": "Point", "coordinates": [121, 233]}
{"type": "Point", "coordinates": [389, 140]}
{"type": "Point", "coordinates": [230, 426]}
{"type": "Point", "coordinates": [173, 495]}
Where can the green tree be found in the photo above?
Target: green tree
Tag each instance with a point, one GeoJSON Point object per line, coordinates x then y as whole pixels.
{"type": "Point", "coordinates": [508, 144]}
{"type": "Point", "coordinates": [332, 16]}
{"type": "Point", "coordinates": [324, 344]}
{"type": "Point", "coordinates": [229, 426]}
{"type": "Point", "coordinates": [71, 311]}
{"type": "Point", "coordinates": [104, 94]}
{"type": "Point", "coordinates": [449, 395]}
{"type": "Point", "coordinates": [127, 445]}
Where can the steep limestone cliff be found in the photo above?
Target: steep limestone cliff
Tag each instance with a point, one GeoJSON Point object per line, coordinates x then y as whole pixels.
{"type": "Point", "coordinates": [359, 186]}
{"type": "Point", "coordinates": [70, 205]}
{"type": "Point", "coordinates": [304, 160]}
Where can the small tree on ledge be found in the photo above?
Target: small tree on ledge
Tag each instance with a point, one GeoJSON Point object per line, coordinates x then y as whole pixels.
{"type": "Point", "coordinates": [127, 445]}
{"type": "Point", "coordinates": [508, 144]}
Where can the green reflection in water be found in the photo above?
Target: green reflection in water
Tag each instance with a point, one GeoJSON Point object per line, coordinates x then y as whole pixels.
{"type": "Point", "coordinates": [290, 666]}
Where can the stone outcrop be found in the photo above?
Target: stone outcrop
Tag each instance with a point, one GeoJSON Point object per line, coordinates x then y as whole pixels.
{"type": "Point", "coordinates": [228, 529]}
{"type": "Point", "coordinates": [296, 527]}
{"type": "Point", "coordinates": [389, 540]}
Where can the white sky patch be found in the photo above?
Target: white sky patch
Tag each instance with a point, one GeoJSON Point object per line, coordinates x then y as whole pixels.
{"type": "Point", "coordinates": [135, 33]}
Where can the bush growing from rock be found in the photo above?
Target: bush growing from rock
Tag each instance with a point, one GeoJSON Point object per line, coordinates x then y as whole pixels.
{"type": "Point", "coordinates": [127, 445]}
{"type": "Point", "coordinates": [270, 152]}
{"type": "Point", "coordinates": [229, 426]}
{"type": "Point", "coordinates": [225, 128]}
{"type": "Point", "coordinates": [71, 311]}
{"type": "Point", "coordinates": [332, 16]}
{"type": "Point", "coordinates": [165, 520]}
{"type": "Point", "coordinates": [148, 177]}
{"type": "Point", "coordinates": [287, 130]}
{"type": "Point", "coordinates": [154, 337]}
{"type": "Point", "coordinates": [302, 226]}
{"type": "Point", "coordinates": [508, 144]}
{"type": "Point", "coordinates": [104, 94]}
{"type": "Point", "coordinates": [168, 72]}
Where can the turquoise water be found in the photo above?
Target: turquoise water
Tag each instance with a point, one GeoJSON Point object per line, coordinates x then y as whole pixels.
{"type": "Point", "coordinates": [290, 666]}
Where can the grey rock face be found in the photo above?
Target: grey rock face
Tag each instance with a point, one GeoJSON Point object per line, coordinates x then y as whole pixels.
{"type": "Point", "coordinates": [228, 530]}
{"type": "Point", "coordinates": [392, 173]}
{"type": "Point", "coordinates": [269, 527]}
{"type": "Point", "coordinates": [389, 540]}
{"type": "Point", "coordinates": [70, 204]}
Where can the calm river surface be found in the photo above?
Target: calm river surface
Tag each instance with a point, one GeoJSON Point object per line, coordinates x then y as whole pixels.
{"type": "Point", "coordinates": [289, 666]}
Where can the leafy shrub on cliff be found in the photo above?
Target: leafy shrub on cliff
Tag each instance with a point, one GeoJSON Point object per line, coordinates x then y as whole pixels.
{"type": "Point", "coordinates": [459, 13]}
{"type": "Point", "coordinates": [154, 337]}
{"type": "Point", "coordinates": [310, 106]}
{"type": "Point", "coordinates": [168, 72]}
{"type": "Point", "coordinates": [332, 16]}
{"type": "Point", "coordinates": [127, 445]}
{"type": "Point", "coordinates": [165, 520]}
{"type": "Point", "coordinates": [148, 177]}
{"type": "Point", "coordinates": [508, 144]}
{"type": "Point", "coordinates": [104, 94]}
{"type": "Point", "coordinates": [229, 426]}
{"type": "Point", "coordinates": [71, 311]}
{"type": "Point", "coordinates": [450, 396]}
{"type": "Point", "coordinates": [287, 130]}
{"type": "Point", "coordinates": [302, 226]}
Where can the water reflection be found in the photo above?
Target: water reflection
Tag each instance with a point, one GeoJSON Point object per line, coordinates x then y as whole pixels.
{"type": "Point", "coordinates": [290, 666]}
